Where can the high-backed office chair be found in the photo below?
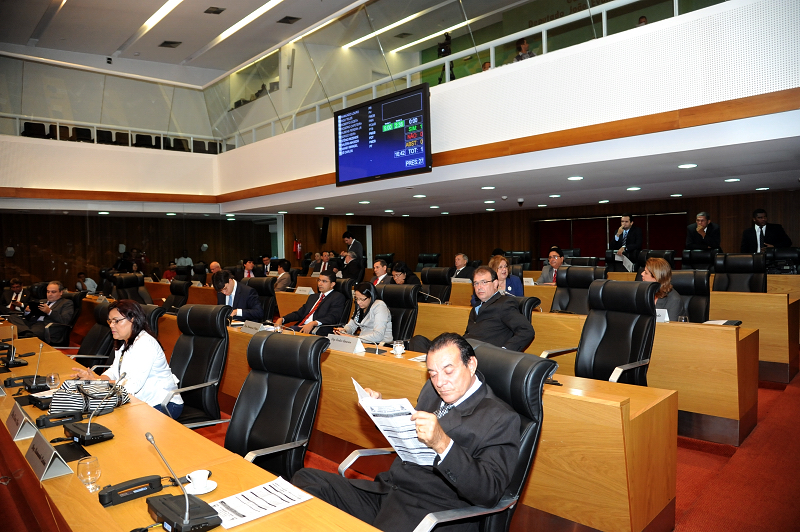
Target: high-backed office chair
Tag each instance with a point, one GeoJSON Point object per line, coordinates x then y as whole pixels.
{"type": "Point", "coordinates": [199, 272]}
{"type": "Point", "coordinates": [518, 380]}
{"type": "Point", "coordinates": [293, 273]}
{"type": "Point", "coordinates": [517, 269]}
{"type": "Point", "coordinates": [740, 272]}
{"type": "Point", "coordinates": [401, 299]}
{"type": "Point", "coordinates": [265, 288]}
{"type": "Point", "coordinates": [693, 287]}
{"type": "Point", "coordinates": [427, 260]}
{"type": "Point", "coordinates": [572, 288]}
{"type": "Point", "coordinates": [34, 130]}
{"type": "Point", "coordinates": [97, 346]}
{"type": "Point", "coordinates": [581, 261]}
{"type": "Point", "coordinates": [183, 273]}
{"type": "Point", "coordinates": [527, 305]}
{"type": "Point", "coordinates": [783, 260]}
{"type": "Point", "coordinates": [617, 336]}
{"type": "Point", "coordinates": [274, 413]}
{"type": "Point", "coordinates": [63, 132]}
{"type": "Point", "coordinates": [523, 258]}
{"type": "Point", "coordinates": [345, 287]}
{"type": "Point", "coordinates": [388, 257]}
{"type": "Point", "coordinates": [614, 265]}
{"type": "Point", "coordinates": [152, 313]}
{"type": "Point", "coordinates": [666, 254]}
{"type": "Point", "coordinates": [258, 270]}
{"type": "Point", "coordinates": [38, 290]}
{"type": "Point", "coordinates": [572, 252]}
{"type": "Point", "coordinates": [178, 296]}
{"type": "Point", "coordinates": [82, 134]}
{"type": "Point", "coordinates": [475, 263]}
{"type": "Point", "coordinates": [436, 283]}
{"type": "Point", "coordinates": [143, 141]}
{"type": "Point", "coordinates": [126, 286]}
{"type": "Point", "coordinates": [237, 271]}
{"type": "Point", "coordinates": [57, 334]}
{"type": "Point", "coordinates": [198, 360]}
{"type": "Point", "coordinates": [107, 282]}
{"type": "Point", "coordinates": [104, 137]}
{"type": "Point", "coordinates": [698, 260]}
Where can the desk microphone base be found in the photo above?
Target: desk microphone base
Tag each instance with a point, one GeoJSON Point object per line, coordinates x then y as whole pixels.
{"type": "Point", "coordinates": [13, 363]}
{"type": "Point", "coordinates": [97, 433]}
{"type": "Point", "coordinates": [169, 510]}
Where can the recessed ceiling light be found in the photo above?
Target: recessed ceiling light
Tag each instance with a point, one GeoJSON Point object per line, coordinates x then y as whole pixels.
{"type": "Point", "coordinates": [675, 195]}
{"type": "Point", "coordinates": [349, 214]}
{"type": "Point", "coordinates": [230, 215]}
{"type": "Point", "coordinates": [489, 201]}
{"type": "Point", "coordinates": [555, 195]}
{"type": "Point", "coordinates": [634, 188]}
{"type": "Point", "coordinates": [388, 210]}
{"type": "Point", "coordinates": [365, 202]}
{"type": "Point", "coordinates": [206, 215]}
{"type": "Point", "coordinates": [445, 212]}
{"type": "Point", "coordinates": [575, 178]}
{"type": "Point", "coordinates": [487, 188]}
{"type": "Point", "coordinates": [541, 205]}
{"type": "Point", "coordinates": [319, 208]}
{"type": "Point", "coordinates": [103, 212]}
{"type": "Point", "coordinates": [283, 212]}
{"type": "Point", "coordinates": [288, 20]}
{"type": "Point", "coordinates": [171, 214]}
{"type": "Point", "coordinates": [603, 201]}
{"type": "Point", "coordinates": [231, 219]}
{"type": "Point", "coordinates": [406, 215]}
{"type": "Point", "coordinates": [434, 206]}
{"type": "Point", "coordinates": [214, 10]}
{"type": "Point", "coordinates": [732, 180]}
{"type": "Point", "coordinates": [490, 210]}
{"type": "Point", "coordinates": [687, 165]}
{"type": "Point", "coordinates": [761, 188]}
{"type": "Point", "coordinates": [420, 196]}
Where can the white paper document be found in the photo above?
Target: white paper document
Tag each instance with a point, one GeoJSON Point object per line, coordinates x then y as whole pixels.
{"type": "Point", "coordinates": [260, 501]}
{"type": "Point", "coordinates": [393, 419]}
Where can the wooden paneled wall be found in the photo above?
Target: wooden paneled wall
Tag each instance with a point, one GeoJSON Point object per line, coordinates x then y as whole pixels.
{"type": "Point", "coordinates": [57, 246]}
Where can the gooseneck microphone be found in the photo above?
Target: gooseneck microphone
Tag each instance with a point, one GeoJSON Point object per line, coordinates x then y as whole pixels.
{"type": "Point", "coordinates": [12, 361]}
{"type": "Point", "coordinates": [35, 385]}
{"type": "Point", "coordinates": [433, 296]}
{"type": "Point", "coordinates": [174, 516]}
{"type": "Point", "coordinates": [81, 432]}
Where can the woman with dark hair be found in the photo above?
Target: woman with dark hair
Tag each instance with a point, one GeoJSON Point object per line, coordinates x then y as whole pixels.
{"type": "Point", "coordinates": [140, 357]}
{"type": "Point", "coordinates": [372, 316]}
{"type": "Point", "coordinates": [402, 274]}
{"type": "Point", "coordinates": [658, 271]}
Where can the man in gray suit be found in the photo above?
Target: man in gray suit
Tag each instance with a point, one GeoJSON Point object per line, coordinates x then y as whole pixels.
{"type": "Point", "coordinates": [53, 310]}
{"type": "Point", "coordinates": [284, 279]}
{"type": "Point", "coordinates": [555, 259]}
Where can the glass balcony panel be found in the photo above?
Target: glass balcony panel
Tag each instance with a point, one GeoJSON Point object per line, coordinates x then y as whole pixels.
{"type": "Point", "coordinates": [135, 104]}
{"type": "Point", "coordinates": [61, 93]}
{"type": "Point", "coordinates": [627, 17]}
{"type": "Point", "coordinates": [10, 85]}
{"type": "Point", "coordinates": [687, 6]}
{"type": "Point", "coordinates": [577, 32]}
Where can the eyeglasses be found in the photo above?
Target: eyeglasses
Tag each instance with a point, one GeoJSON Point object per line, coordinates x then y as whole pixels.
{"type": "Point", "coordinates": [362, 299]}
{"type": "Point", "coordinates": [115, 321]}
{"type": "Point", "coordinates": [480, 283]}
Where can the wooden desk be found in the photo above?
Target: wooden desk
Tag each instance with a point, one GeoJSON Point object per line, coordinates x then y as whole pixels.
{"type": "Point", "coordinates": [544, 292]}
{"type": "Point", "coordinates": [784, 284]}
{"type": "Point", "coordinates": [289, 301]}
{"type": "Point", "coordinates": [201, 295]}
{"type": "Point", "coordinates": [310, 282]}
{"type": "Point", "coordinates": [622, 276]}
{"type": "Point", "coordinates": [461, 294]}
{"type": "Point", "coordinates": [74, 508]}
{"type": "Point", "coordinates": [777, 317]}
{"type": "Point", "coordinates": [433, 320]}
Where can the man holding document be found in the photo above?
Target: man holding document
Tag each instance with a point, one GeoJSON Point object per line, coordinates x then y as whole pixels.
{"type": "Point", "coordinates": [462, 445]}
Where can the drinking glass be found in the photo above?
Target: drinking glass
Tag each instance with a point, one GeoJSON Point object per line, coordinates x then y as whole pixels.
{"type": "Point", "coordinates": [53, 380]}
{"type": "Point", "coordinates": [89, 473]}
{"type": "Point", "coordinates": [683, 319]}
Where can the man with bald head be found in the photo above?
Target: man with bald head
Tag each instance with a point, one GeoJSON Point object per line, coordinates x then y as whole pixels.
{"type": "Point", "coordinates": [54, 309]}
{"type": "Point", "coordinates": [214, 267]}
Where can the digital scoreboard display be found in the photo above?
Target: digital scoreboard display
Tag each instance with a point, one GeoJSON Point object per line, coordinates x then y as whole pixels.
{"type": "Point", "coordinates": [385, 137]}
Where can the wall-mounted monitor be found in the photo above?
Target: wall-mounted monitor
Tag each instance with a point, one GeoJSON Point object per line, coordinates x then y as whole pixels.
{"type": "Point", "coordinates": [385, 137]}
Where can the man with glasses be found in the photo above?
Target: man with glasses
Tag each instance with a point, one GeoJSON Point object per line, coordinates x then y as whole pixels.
{"type": "Point", "coordinates": [322, 311]}
{"type": "Point", "coordinates": [554, 259]}
{"type": "Point", "coordinates": [496, 320]}
{"type": "Point", "coordinates": [240, 297]}
{"type": "Point", "coordinates": [52, 310]}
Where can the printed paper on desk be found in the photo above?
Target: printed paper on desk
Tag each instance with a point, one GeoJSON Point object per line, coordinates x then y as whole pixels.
{"type": "Point", "coordinates": [260, 501]}
{"type": "Point", "coordinates": [393, 419]}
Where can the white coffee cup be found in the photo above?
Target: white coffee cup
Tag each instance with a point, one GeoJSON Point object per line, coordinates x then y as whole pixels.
{"type": "Point", "coordinates": [199, 479]}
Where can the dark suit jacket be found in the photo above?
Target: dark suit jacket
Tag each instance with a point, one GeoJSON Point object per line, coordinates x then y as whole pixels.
{"type": "Point", "coordinates": [387, 279]}
{"type": "Point", "coordinates": [328, 313]}
{"type": "Point", "coordinates": [331, 264]}
{"type": "Point", "coordinates": [476, 470]}
{"type": "Point", "coordinates": [695, 241]}
{"type": "Point", "coordinates": [357, 248]}
{"type": "Point", "coordinates": [500, 323]}
{"type": "Point", "coordinates": [61, 312]}
{"type": "Point", "coordinates": [352, 270]}
{"type": "Point", "coordinates": [246, 299]}
{"type": "Point", "coordinates": [773, 234]}
{"type": "Point", "coordinates": [283, 282]}
{"type": "Point", "coordinates": [465, 273]}
{"type": "Point", "coordinates": [632, 246]}
{"type": "Point", "coordinates": [8, 294]}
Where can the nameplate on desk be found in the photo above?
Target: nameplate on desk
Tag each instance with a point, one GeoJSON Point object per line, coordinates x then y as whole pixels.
{"type": "Point", "coordinates": [348, 344]}
{"type": "Point", "coordinates": [19, 424]}
{"type": "Point", "coordinates": [251, 327]}
{"type": "Point", "coordinates": [2, 392]}
{"type": "Point", "coordinates": [528, 281]}
{"type": "Point", "coordinates": [165, 281]}
{"type": "Point", "coordinates": [662, 316]}
{"type": "Point", "coordinates": [197, 284]}
{"type": "Point", "coordinates": [460, 280]}
{"type": "Point", "coordinates": [305, 290]}
{"type": "Point", "coordinates": [272, 274]}
{"type": "Point", "coordinates": [45, 460]}
{"type": "Point", "coordinates": [148, 279]}
{"type": "Point", "coordinates": [315, 274]}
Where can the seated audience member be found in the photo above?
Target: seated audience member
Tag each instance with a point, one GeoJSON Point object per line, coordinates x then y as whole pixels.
{"type": "Point", "coordinates": [658, 271]}
{"type": "Point", "coordinates": [140, 357]}
{"type": "Point", "coordinates": [284, 279]}
{"type": "Point", "coordinates": [325, 264]}
{"type": "Point", "coordinates": [703, 234]}
{"type": "Point", "coordinates": [248, 268]}
{"type": "Point", "coordinates": [522, 51]}
{"type": "Point", "coordinates": [336, 264]}
{"type": "Point", "coordinates": [135, 268]}
{"type": "Point", "coordinates": [85, 284]}
{"type": "Point", "coordinates": [461, 270]}
{"type": "Point", "coordinates": [17, 298]}
{"type": "Point", "coordinates": [268, 266]}
{"type": "Point", "coordinates": [317, 259]}
{"type": "Point", "coordinates": [372, 316]}
{"type": "Point", "coordinates": [402, 274]}
{"type": "Point", "coordinates": [54, 310]}
{"type": "Point", "coordinates": [240, 297]}
{"type": "Point", "coordinates": [171, 272]}
{"type": "Point", "coordinates": [476, 438]}
{"type": "Point", "coordinates": [322, 310]}
{"type": "Point", "coordinates": [507, 284]}
{"type": "Point", "coordinates": [352, 266]}
{"type": "Point", "coordinates": [763, 235]}
{"type": "Point", "coordinates": [495, 320]}
{"type": "Point", "coordinates": [555, 259]}
{"type": "Point", "coordinates": [642, 21]}
{"type": "Point", "coordinates": [214, 267]}
{"type": "Point", "coordinates": [184, 259]}
{"type": "Point", "coordinates": [486, 66]}
{"type": "Point", "coordinates": [380, 269]}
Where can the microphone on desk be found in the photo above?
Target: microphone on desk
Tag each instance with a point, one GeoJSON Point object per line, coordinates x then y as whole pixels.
{"type": "Point", "coordinates": [433, 296]}
{"type": "Point", "coordinates": [81, 432]}
{"type": "Point", "coordinates": [11, 361]}
{"type": "Point", "coordinates": [168, 510]}
{"type": "Point", "coordinates": [33, 385]}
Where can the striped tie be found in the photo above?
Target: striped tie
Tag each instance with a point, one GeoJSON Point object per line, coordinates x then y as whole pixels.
{"type": "Point", "coordinates": [442, 410]}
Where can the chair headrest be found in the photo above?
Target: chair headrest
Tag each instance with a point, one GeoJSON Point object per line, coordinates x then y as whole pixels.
{"type": "Point", "coordinates": [698, 255]}
{"type": "Point", "coordinates": [101, 314]}
{"type": "Point", "coordinates": [623, 296]}
{"type": "Point", "coordinates": [740, 263]}
{"type": "Point", "coordinates": [287, 354]}
{"type": "Point", "coordinates": [262, 285]}
{"type": "Point", "coordinates": [139, 279]}
{"type": "Point", "coordinates": [691, 282]}
{"type": "Point", "coordinates": [126, 280]}
{"type": "Point", "coordinates": [199, 269]}
{"type": "Point", "coordinates": [398, 295]}
{"type": "Point", "coordinates": [438, 275]}
{"type": "Point", "coordinates": [345, 287]}
{"type": "Point", "coordinates": [575, 276]}
{"type": "Point", "coordinates": [183, 270]}
{"type": "Point", "coordinates": [790, 254]}
{"type": "Point", "coordinates": [204, 320]}
{"type": "Point", "coordinates": [179, 288]}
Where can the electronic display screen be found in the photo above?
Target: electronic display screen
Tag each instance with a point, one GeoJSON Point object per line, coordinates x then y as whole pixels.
{"type": "Point", "coordinates": [385, 137]}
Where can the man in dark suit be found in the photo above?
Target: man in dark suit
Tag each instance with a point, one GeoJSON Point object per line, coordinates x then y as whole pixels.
{"type": "Point", "coordinates": [15, 299]}
{"type": "Point", "coordinates": [703, 234]}
{"type": "Point", "coordinates": [381, 271]}
{"type": "Point", "coordinates": [763, 235]}
{"type": "Point", "coordinates": [267, 266]}
{"type": "Point", "coordinates": [352, 267]}
{"type": "Point", "coordinates": [240, 297]}
{"type": "Point", "coordinates": [352, 245]}
{"type": "Point", "coordinates": [326, 265]}
{"type": "Point", "coordinates": [461, 270]}
{"type": "Point", "coordinates": [53, 310]}
{"type": "Point", "coordinates": [475, 436]}
{"type": "Point", "coordinates": [324, 308]}
{"type": "Point", "coordinates": [628, 239]}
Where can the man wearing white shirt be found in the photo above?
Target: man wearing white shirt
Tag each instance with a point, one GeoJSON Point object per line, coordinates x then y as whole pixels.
{"type": "Point", "coordinates": [381, 271]}
{"type": "Point", "coordinates": [85, 283]}
{"type": "Point", "coordinates": [248, 268]}
{"type": "Point", "coordinates": [184, 259]}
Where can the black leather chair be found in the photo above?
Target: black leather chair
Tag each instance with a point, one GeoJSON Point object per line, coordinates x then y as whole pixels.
{"type": "Point", "coordinates": [178, 296]}
{"type": "Point", "coordinates": [523, 258]}
{"type": "Point", "coordinates": [740, 272]}
{"type": "Point", "coordinates": [198, 360]}
{"type": "Point", "coordinates": [126, 286]}
{"type": "Point", "coordinates": [57, 334]}
{"type": "Point", "coordinates": [293, 273]}
{"type": "Point", "coordinates": [581, 261]}
{"type": "Point", "coordinates": [783, 260]}
{"type": "Point", "coordinates": [572, 288]}
{"type": "Point", "coordinates": [693, 287]}
{"type": "Point", "coordinates": [666, 254]}
{"type": "Point", "coordinates": [527, 305]}
{"type": "Point", "coordinates": [435, 282]}
{"type": "Point", "coordinates": [97, 346]}
{"type": "Point", "coordinates": [344, 287]}
{"type": "Point", "coordinates": [402, 302]}
{"type": "Point", "coordinates": [518, 379]}
{"type": "Point", "coordinates": [475, 263]}
{"type": "Point", "coordinates": [274, 413]}
{"type": "Point", "coordinates": [698, 260]}
{"type": "Point", "coordinates": [144, 295]}
{"type": "Point", "coordinates": [265, 288]}
{"type": "Point", "coordinates": [388, 257]}
{"type": "Point", "coordinates": [107, 282]}
{"type": "Point", "coordinates": [34, 130]}
{"type": "Point", "coordinates": [152, 313]}
{"type": "Point", "coordinates": [614, 265]}
{"type": "Point", "coordinates": [199, 272]}
{"type": "Point", "coordinates": [572, 252]}
{"type": "Point", "coordinates": [427, 260]}
{"type": "Point", "coordinates": [237, 271]}
{"type": "Point", "coordinates": [38, 290]}
{"type": "Point", "coordinates": [517, 269]}
{"type": "Point", "coordinates": [617, 336]}
{"type": "Point", "coordinates": [183, 273]}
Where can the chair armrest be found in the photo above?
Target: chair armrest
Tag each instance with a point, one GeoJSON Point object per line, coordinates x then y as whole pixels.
{"type": "Point", "coordinates": [47, 330]}
{"type": "Point", "coordinates": [619, 370]}
{"type": "Point", "coordinates": [201, 424]}
{"type": "Point", "coordinates": [358, 453]}
{"type": "Point", "coordinates": [252, 455]}
{"type": "Point", "coordinates": [99, 366]}
{"type": "Point", "coordinates": [558, 352]}
{"type": "Point", "coordinates": [69, 347]}
{"type": "Point", "coordinates": [434, 518]}
{"type": "Point", "coordinates": [169, 397]}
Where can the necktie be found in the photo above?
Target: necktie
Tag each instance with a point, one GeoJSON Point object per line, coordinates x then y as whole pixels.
{"type": "Point", "coordinates": [554, 275]}
{"type": "Point", "coordinates": [324, 264]}
{"type": "Point", "coordinates": [442, 410]}
{"type": "Point", "coordinates": [316, 305]}
{"type": "Point", "coordinates": [624, 238]}
{"type": "Point", "coordinates": [229, 300]}
{"type": "Point", "coordinates": [762, 239]}
{"type": "Point", "coordinates": [376, 281]}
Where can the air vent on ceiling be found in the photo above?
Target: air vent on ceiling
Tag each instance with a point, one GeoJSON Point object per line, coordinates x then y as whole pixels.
{"type": "Point", "coordinates": [402, 35]}
{"type": "Point", "coordinates": [170, 44]}
{"type": "Point", "coordinates": [214, 10]}
{"type": "Point", "coordinates": [288, 20]}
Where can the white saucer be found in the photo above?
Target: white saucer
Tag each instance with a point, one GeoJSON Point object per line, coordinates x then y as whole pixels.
{"type": "Point", "coordinates": [210, 486]}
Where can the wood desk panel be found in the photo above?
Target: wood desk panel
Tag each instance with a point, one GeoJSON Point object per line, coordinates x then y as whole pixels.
{"type": "Point", "coordinates": [289, 301]}
{"type": "Point", "coordinates": [784, 284]}
{"type": "Point", "coordinates": [461, 294]}
{"type": "Point", "coordinates": [544, 292]}
{"type": "Point", "coordinates": [622, 276]}
{"type": "Point", "coordinates": [433, 320]}
{"type": "Point", "coordinates": [198, 295]}
{"type": "Point", "coordinates": [310, 282]}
